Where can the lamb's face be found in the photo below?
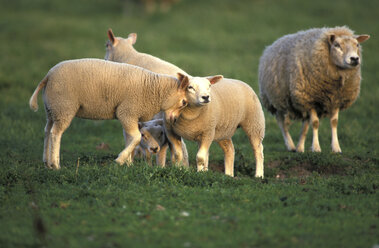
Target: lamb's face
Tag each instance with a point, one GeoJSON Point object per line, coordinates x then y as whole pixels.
{"type": "Point", "coordinates": [345, 50]}
{"type": "Point", "coordinates": [153, 137]}
{"type": "Point", "coordinates": [199, 91]}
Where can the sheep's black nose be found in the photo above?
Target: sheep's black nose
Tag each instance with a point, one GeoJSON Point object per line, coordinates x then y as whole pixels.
{"type": "Point", "coordinates": [354, 61]}
{"type": "Point", "coordinates": [206, 98]}
{"type": "Point", "coordinates": [154, 149]}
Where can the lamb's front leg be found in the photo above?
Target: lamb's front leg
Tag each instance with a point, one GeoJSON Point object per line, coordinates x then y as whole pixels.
{"type": "Point", "coordinates": [228, 148]}
{"type": "Point", "coordinates": [203, 153]}
{"type": "Point", "coordinates": [132, 137]}
{"type": "Point", "coordinates": [315, 125]}
{"type": "Point", "coordinates": [333, 123]}
{"type": "Point", "coordinates": [161, 156]}
{"type": "Point", "coordinates": [177, 149]}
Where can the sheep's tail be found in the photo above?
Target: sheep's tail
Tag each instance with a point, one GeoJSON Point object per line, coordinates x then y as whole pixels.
{"type": "Point", "coordinates": [33, 102]}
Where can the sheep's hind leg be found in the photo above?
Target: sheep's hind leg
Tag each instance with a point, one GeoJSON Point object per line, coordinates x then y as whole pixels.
{"type": "Point", "coordinates": [228, 148]}
{"type": "Point", "coordinates": [333, 123]}
{"type": "Point", "coordinates": [315, 124]}
{"type": "Point", "coordinates": [46, 142]}
{"type": "Point", "coordinates": [132, 137]}
{"type": "Point", "coordinates": [55, 137]}
{"type": "Point", "coordinates": [303, 136]}
{"type": "Point", "coordinates": [284, 123]}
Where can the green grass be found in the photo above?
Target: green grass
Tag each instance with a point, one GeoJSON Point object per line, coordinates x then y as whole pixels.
{"type": "Point", "coordinates": [305, 200]}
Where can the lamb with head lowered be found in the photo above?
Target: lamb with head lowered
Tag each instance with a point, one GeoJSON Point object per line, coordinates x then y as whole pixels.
{"type": "Point", "coordinates": [101, 90]}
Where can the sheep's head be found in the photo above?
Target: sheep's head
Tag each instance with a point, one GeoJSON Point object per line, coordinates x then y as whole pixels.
{"type": "Point", "coordinates": [177, 101]}
{"type": "Point", "coordinates": [117, 47]}
{"type": "Point", "coordinates": [153, 136]}
{"type": "Point", "coordinates": [199, 89]}
{"type": "Point", "coordinates": [345, 50]}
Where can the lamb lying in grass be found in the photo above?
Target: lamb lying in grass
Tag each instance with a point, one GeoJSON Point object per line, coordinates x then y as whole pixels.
{"type": "Point", "coordinates": [153, 141]}
{"type": "Point", "coordinates": [101, 90]}
{"type": "Point", "coordinates": [230, 104]}
{"type": "Point", "coordinates": [310, 75]}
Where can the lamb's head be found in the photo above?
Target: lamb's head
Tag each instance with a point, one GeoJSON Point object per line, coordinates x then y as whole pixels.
{"type": "Point", "coordinates": [153, 135]}
{"type": "Point", "coordinates": [345, 50]}
{"type": "Point", "coordinates": [118, 47]}
{"type": "Point", "coordinates": [176, 101]}
{"type": "Point", "coordinates": [199, 89]}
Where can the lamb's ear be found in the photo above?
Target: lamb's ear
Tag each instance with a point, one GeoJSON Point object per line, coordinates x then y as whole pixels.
{"type": "Point", "coordinates": [184, 81]}
{"type": "Point", "coordinates": [362, 38]}
{"type": "Point", "coordinates": [331, 39]}
{"type": "Point", "coordinates": [132, 38]}
{"type": "Point", "coordinates": [139, 125]}
{"type": "Point", "coordinates": [158, 122]}
{"type": "Point", "coordinates": [111, 37]}
{"type": "Point", "coordinates": [215, 79]}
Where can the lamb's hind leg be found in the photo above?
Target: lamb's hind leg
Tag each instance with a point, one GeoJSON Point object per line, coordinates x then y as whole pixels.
{"type": "Point", "coordinates": [55, 137]}
{"type": "Point", "coordinates": [333, 123]}
{"type": "Point", "coordinates": [46, 142]}
{"type": "Point", "coordinates": [284, 124]}
{"type": "Point", "coordinates": [228, 148]}
{"type": "Point", "coordinates": [315, 124]}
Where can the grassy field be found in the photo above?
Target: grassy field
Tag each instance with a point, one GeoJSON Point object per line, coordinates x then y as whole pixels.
{"type": "Point", "coordinates": [305, 200]}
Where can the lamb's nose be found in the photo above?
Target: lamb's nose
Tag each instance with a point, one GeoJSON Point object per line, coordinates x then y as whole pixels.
{"type": "Point", "coordinates": [154, 149]}
{"type": "Point", "coordinates": [354, 60]}
{"type": "Point", "coordinates": [206, 98]}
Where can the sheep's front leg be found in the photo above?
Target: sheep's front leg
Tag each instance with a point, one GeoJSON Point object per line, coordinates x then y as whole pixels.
{"type": "Point", "coordinates": [303, 136]}
{"type": "Point", "coordinates": [228, 148]}
{"type": "Point", "coordinates": [177, 146]}
{"type": "Point", "coordinates": [161, 156]}
{"type": "Point", "coordinates": [132, 137]}
{"type": "Point", "coordinates": [203, 154]}
{"type": "Point", "coordinates": [284, 124]}
{"type": "Point", "coordinates": [333, 123]}
{"type": "Point", "coordinates": [315, 125]}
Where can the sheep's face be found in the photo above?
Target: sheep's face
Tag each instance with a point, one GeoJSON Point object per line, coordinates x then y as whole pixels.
{"type": "Point", "coordinates": [199, 89]}
{"type": "Point", "coordinates": [345, 50]}
{"type": "Point", "coordinates": [153, 136]}
{"type": "Point", "coordinates": [116, 48]}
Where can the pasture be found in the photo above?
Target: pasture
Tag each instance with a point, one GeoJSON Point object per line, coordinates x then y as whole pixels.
{"type": "Point", "coordinates": [306, 200]}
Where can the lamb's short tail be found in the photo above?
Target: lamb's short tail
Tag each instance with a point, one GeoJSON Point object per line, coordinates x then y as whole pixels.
{"type": "Point", "coordinates": [33, 102]}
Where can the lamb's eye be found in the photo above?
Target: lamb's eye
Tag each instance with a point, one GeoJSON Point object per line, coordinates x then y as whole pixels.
{"type": "Point", "coordinates": [337, 45]}
{"type": "Point", "coordinates": [190, 87]}
{"type": "Point", "coordinates": [184, 103]}
{"type": "Point", "coordinates": [143, 136]}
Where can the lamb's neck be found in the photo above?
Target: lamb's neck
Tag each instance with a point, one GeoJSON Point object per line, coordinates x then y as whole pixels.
{"type": "Point", "coordinates": [126, 56]}
{"type": "Point", "coordinates": [192, 112]}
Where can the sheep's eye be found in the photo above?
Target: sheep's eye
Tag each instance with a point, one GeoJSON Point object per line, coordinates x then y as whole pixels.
{"type": "Point", "coordinates": [337, 45]}
{"type": "Point", "coordinates": [184, 103]}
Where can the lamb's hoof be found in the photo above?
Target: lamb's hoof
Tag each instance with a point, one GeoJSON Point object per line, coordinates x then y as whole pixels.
{"type": "Point", "coordinates": [119, 161]}
{"type": "Point", "coordinates": [301, 150]}
{"type": "Point", "coordinates": [258, 175]}
{"type": "Point", "coordinates": [337, 151]}
{"type": "Point", "coordinates": [317, 149]}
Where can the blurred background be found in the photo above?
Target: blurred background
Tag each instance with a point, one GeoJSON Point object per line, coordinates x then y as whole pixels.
{"type": "Point", "coordinates": [203, 37]}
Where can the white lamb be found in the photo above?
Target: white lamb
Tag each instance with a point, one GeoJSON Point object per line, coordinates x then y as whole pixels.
{"type": "Point", "coordinates": [98, 89]}
{"type": "Point", "coordinates": [230, 104]}
{"type": "Point", "coordinates": [309, 75]}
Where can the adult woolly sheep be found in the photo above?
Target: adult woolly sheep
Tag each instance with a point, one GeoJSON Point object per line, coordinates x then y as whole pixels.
{"type": "Point", "coordinates": [98, 89]}
{"type": "Point", "coordinates": [309, 75]}
{"type": "Point", "coordinates": [232, 104]}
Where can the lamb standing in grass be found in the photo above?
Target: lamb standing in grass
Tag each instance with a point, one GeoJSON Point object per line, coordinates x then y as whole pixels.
{"type": "Point", "coordinates": [309, 75]}
{"type": "Point", "coordinates": [231, 104]}
{"type": "Point", "coordinates": [121, 50]}
{"type": "Point", "coordinates": [98, 89]}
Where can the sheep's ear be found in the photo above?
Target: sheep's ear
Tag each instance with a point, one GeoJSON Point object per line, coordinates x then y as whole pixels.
{"type": "Point", "coordinates": [215, 79]}
{"type": "Point", "coordinates": [184, 81]}
{"type": "Point", "coordinates": [362, 38]}
{"type": "Point", "coordinates": [111, 37]}
{"type": "Point", "coordinates": [331, 39]}
{"type": "Point", "coordinates": [132, 38]}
